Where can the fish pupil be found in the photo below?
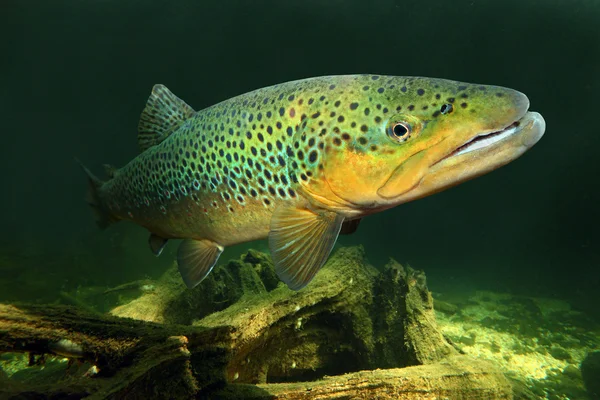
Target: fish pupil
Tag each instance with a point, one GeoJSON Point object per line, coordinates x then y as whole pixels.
{"type": "Point", "coordinates": [400, 130]}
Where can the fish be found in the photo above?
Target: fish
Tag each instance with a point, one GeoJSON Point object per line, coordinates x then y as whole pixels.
{"type": "Point", "coordinates": [300, 163]}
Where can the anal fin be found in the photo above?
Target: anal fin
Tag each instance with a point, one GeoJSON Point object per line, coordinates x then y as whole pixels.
{"type": "Point", "coordinates": [196, 258]}
{"type": "Point", "coordinates": [300, 241]}
{"type": "Point", "coordinates": [157, 244]}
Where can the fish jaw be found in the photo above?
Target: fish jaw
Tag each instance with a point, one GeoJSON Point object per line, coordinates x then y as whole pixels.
{"type": "Point", "coordinates": [478, 155]}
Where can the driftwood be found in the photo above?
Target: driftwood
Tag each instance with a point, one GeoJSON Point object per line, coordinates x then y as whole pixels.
{"type": "Point", "coordinates": [127, 354]}
{"type": "Point", "coordinates": [458, 377]}
{"type": "Point", "coordinates": [243, 335]}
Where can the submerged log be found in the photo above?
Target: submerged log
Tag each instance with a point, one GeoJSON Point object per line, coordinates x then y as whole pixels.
{"type": "Point", "coordinates": [241, 327]}
{"type": "Point", "coordinates": [458, 377]}
{"type": "Point", "coordinates": [125, 355]}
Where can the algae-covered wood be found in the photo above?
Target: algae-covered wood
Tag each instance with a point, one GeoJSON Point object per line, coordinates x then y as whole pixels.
{"type": "Point", "coordinates": [255, 338]}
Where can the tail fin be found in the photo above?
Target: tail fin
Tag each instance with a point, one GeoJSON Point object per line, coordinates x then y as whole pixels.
{"type": "Point", "coordinates": [103, 216]}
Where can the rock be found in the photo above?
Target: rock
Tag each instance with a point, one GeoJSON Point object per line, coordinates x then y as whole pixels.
{"type": "Point", "coordinates": [572, 372]}
{"type": "Point", "coordinates": [590, 371]}
{"type": "Point", "coordinates": [559, 353]}
{"type": "Point", "coordinates": [445, 307]}
{"type": "Point", "coordinates": [467, 340]}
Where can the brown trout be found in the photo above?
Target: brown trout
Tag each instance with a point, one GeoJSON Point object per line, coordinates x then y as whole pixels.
{"type": "Point", "coordinates": [302, 161]}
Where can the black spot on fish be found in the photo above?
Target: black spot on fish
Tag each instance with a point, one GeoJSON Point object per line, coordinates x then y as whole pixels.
{"type": "Point", "coordinates": [420, 92]}
{"type": "Point", "coordinates": [312, 157]}
{"type": "Point", "coordinates": [353, 106]}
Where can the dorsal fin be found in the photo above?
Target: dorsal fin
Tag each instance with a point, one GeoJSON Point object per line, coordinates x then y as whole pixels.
{"type": "Point", "coordinates": [164, 113]}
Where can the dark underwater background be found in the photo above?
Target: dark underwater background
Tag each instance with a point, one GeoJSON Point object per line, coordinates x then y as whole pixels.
{"type": "Point", "coordinates": [75, 76]}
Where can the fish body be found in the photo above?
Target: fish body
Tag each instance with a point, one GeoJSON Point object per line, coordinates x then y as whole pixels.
{"type": "Point", "coordinates": [301, 161]}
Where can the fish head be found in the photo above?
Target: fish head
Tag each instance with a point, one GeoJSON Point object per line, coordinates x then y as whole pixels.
{"type": "Point", "coordinates": [400, 139]}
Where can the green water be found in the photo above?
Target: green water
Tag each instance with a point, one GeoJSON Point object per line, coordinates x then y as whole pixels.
{"type": "Point", "coordinates": [75, 77]}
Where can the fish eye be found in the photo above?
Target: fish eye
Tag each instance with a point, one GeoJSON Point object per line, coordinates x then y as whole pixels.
{"type": "Point", "coordinates": [446, 109]}
{"type": "Point", "coordinates": [400, 131]}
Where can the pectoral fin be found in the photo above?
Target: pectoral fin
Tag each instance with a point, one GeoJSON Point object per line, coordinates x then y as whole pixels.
{"type": "Point", "coordinates": [300, 241]}
{"type": "Point", "coordinates": [196, 258]}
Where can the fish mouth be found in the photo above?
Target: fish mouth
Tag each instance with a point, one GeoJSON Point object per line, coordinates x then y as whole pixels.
{"type": "Point", "coordinates": [530, 126]}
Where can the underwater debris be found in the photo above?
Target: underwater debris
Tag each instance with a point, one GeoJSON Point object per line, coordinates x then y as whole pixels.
{"type": "Point", "coordinates": [384, 320]}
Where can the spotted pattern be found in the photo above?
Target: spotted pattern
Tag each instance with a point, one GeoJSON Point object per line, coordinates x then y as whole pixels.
{"type": "Point", "coordinates": [261, 148]}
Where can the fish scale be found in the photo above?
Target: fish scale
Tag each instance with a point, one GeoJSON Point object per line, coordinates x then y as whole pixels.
{"type": "Point", "coordinates": [320, 150]}
{"type": "Point", "coordinates": [232, 157]}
